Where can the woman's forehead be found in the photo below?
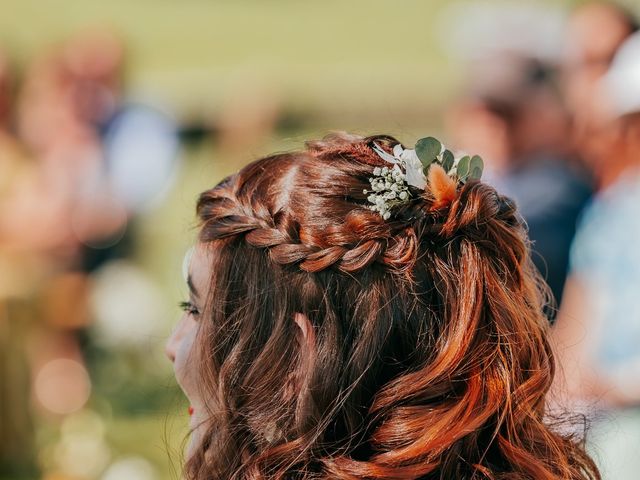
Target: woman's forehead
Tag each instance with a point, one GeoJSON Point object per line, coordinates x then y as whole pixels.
{"type": "Point", "coordinates": [196, 267]}
{"type": "Point", "coordinates": [186, 263]}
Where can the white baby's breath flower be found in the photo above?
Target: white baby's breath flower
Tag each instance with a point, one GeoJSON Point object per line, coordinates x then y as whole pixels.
{"type": "Point", "coordinates": [405, 168]}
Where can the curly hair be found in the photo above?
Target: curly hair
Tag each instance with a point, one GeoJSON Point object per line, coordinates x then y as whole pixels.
{"type": "Point", "coordinates": [428, 357]}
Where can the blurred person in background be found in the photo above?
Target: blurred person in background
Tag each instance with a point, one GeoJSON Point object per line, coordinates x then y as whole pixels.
{"type": "Point", "coordinates": [139, 142]}
{"type": "Point", "coordinates": [513, 115]}
{"type": "Point", "coordinates": [594, 32]}
{"type": "Point", "coordinates": [76, 121]}
{"type": "Point", "coordinates": [92, 160]}
{"type": "Point", "coordinates": [41, 237]}
{"type": "Point", "coordinates": [598, 327]}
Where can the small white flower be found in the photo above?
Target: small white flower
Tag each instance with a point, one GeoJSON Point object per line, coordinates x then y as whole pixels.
{"type": "Point", "coordinates": [409, 156]}
{"type": "Point", "coordinates": [413, 166]}
{"type": "Point", "coordinates": [404, 168]}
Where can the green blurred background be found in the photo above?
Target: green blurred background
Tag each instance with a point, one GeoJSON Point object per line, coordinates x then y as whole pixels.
{"type": "Point", "coordinates": [240, 79]}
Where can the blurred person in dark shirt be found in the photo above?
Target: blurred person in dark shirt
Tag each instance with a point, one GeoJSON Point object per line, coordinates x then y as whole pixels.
{"type": "Point", "coordinates": [513, 115]}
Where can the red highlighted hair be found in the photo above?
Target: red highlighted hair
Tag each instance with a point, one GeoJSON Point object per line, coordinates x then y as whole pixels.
{"type": "Point", "coordinates": [428, 355]}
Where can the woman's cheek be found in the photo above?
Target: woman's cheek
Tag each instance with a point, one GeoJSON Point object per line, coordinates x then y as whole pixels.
{"type": "Point", "coordinates": [185, 362]}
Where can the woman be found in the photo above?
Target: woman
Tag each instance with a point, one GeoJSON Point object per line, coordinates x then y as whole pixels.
{"type": "Point", "coordinates": [361, 310]}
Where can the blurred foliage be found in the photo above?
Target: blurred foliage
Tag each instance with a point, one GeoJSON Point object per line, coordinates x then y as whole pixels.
{"type": "Point", "coordinates": [375, 55]}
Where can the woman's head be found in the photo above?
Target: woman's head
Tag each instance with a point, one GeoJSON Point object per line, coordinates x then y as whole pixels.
{"type": "Point", "coordinates": [331, 343]}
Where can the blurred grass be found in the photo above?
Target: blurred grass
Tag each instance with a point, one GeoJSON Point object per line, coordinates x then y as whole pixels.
{"type": "Point", "coordinates": [381, 56]}
{"type": "Point", "coordinates": [322, 47]}
{"type": "Point", "coordinates": [140, 436]}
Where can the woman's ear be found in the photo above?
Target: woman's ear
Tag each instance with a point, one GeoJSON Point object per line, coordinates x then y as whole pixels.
{"type": "Point", "coordinates": [306, 407]}
{"type": "Point", "coordinates": [308, 335]}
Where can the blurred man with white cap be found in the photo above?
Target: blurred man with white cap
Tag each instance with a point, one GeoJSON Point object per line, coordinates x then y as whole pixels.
{"type": "Point", "coordinates": [598, 327]}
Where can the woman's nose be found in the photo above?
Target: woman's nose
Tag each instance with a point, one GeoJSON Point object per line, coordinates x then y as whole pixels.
{"type": "Point", "coordinates": [169, 350]}
{"type": "Point", "coordinates": [171, 346]}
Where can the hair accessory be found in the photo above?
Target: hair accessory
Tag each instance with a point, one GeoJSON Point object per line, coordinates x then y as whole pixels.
{"type": "Point", "coordinates": [410, 167]}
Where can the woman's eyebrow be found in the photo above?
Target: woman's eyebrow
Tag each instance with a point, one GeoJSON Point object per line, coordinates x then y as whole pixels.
{"type": "Point", "coordinates": [192, 287]}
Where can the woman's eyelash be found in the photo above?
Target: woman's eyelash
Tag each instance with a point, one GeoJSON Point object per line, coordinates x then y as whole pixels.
{"type": "Point", "coordinates": [189, 308]}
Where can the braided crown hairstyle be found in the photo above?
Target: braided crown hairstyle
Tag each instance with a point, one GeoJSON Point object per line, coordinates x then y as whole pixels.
{"type": "Point", "coordinates": [428, 354]}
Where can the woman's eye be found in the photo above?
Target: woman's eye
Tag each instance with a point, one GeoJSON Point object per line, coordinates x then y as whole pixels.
{"type": "Point", "coordinates": [189, 307]}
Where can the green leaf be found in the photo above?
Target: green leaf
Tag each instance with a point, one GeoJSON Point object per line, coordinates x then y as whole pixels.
{"type": "Point", "coordinates": [427, 150]}
{"type": "Point", "coordinates": [447, 160]}
{"type": "Point", "coordinates": [462, 170]}
{"type": "Point", "coordinates": [476, 165]}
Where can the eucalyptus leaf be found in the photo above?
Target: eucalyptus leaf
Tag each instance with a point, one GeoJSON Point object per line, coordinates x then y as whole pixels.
{"type": "Point", "coordinates": [427, 150]}
{"type": "Point", "coordinates": [476, 165]}
{"type": "Point", "coordinates": [475, 174]}
{"type": "Point", "coordinates": [462, 169]}
{"type": "Point", "coordinates": [447, 160]}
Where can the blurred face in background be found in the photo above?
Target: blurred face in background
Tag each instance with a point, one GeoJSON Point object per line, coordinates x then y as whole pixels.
{"type": "Point", "coordinates": [594, 34]}
{"type": "Point", "coordinates": [95, 61]}
{"type": "Point", "coordinates": [610, 142]}
{"type": "Point", "coordinates": [511, 117]}
{"type": "Point", "coordinates": [473, 127]}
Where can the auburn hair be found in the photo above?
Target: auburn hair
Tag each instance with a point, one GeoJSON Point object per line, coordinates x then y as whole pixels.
{"type": "Point", "coordinates": [428, 355]}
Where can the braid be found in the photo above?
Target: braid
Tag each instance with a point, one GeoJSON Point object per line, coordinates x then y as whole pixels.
{"type": "Point", "coordinates": [356, 237]}
{"type": "Point", "coordinates": [350, 247]}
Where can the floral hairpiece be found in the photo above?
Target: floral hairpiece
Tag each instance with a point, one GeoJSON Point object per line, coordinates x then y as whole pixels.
{"type": "Point", "coordinates": [409, 167]}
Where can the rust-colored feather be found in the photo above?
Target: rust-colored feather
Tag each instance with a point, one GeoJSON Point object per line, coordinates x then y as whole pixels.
{"type": "Point", "coordinates": [441, 185]}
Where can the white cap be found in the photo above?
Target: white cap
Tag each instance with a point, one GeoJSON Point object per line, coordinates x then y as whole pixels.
{"type": "Point", "coordinates": [622, 82]}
